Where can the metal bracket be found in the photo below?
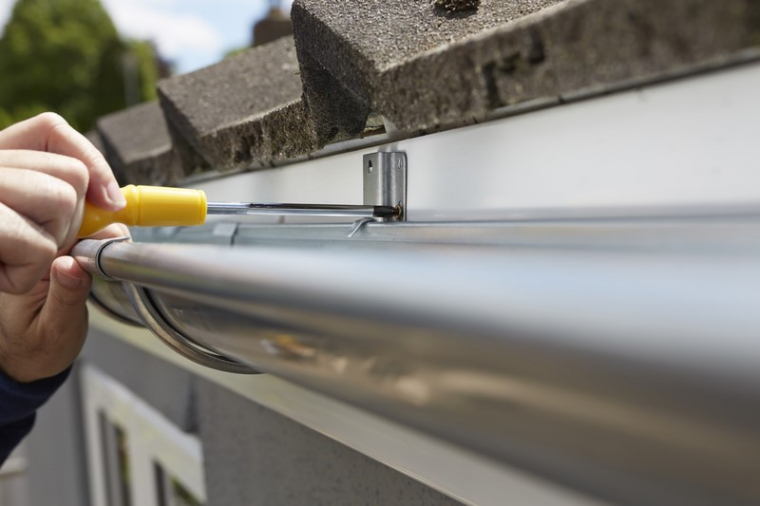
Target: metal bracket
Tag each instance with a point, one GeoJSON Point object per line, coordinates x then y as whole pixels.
{"type": "Point", "coordinates": [385, 181]}
{"type": "Point", "coordinates": [156, 323]}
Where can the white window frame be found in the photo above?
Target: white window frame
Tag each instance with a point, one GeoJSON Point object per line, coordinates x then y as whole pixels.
{"type": "Point", "coordinates": [151, 439]}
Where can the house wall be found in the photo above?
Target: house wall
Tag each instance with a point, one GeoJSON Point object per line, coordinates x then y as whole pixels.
{"type": "Point", "coordinates": [55, 452]}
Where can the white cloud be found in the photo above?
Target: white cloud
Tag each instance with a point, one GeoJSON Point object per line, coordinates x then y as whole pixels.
{"type": "Point", "coordinates": [174, 33]}
{"type": "Point", "coordinates": [6, 6]}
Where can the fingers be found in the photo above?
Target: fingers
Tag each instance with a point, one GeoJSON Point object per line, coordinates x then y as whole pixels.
{"type": "Point", "coordinates": [64, 315]}
{"type": "Point", "coordinates": [69, 288]}
{"type": "Point", "coordinates": [51, 203]}
{"type": "Point", "coordinates": [26, 252]}
{"type": "Point", "coordinates": [43, 195]}
{"type": "Point", "coordinates": [49, 132]}
{"type": "Point", "coordinates": [68, 169]}
{"type": "Point", "coordinates": [41, 205]}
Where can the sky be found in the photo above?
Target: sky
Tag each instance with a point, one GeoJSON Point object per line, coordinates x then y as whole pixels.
{"type": "Point", "coordinates": [190, 33]}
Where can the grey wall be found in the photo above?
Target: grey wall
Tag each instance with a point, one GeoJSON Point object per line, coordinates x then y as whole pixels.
{"type": "Point", "coordinates": [253, 456]}
{"type": "Point", "coordinates": [57, 472]}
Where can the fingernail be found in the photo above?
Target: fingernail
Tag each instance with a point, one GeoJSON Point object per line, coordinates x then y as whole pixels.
{"type": "Point", "coordinates": [114, 195]}
{"type": "Point", "coordinates": [69, 281]}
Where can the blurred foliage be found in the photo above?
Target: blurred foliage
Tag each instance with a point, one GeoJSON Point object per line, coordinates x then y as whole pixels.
{"type": "Point", "coordinates": [236, 51]}
{"type": "Point", "coordinates": [66, 56]}
{"type": "Point", "coordinates": [147, 68]}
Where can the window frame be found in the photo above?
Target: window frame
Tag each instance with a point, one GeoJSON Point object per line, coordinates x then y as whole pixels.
{"type": "Point", "coordinates": [151, 439]}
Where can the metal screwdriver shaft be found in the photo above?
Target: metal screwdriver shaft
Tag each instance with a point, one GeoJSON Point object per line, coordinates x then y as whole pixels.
{"type": "Point", "coordinates": [319, 210]}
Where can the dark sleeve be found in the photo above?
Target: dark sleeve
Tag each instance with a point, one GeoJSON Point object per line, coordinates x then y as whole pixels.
{"type": "Point", "coordinates": [18, 404]}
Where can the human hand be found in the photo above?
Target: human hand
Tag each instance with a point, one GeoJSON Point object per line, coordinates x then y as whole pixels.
{"type": "Point", "coordinates": [42, 331]}
{"type": "Point", "coordinates": [47, 170]}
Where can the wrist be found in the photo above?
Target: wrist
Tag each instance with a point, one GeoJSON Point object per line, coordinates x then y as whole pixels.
{"type": "Point", "coordinates": [24, 370]}
{"type": "Point", "coordinates": [21, 400]}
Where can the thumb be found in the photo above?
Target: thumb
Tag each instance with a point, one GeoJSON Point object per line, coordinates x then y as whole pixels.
{"type": "Point", "coordinates": [52, 341]}
{"type": "Point", "coordinates": [67, 295]}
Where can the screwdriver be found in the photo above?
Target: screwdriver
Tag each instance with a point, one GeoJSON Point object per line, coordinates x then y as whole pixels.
{"type": "Point", "coordinates": [158, 206]}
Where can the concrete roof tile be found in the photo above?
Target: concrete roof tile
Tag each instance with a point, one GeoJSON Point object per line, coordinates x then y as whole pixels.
{"type": "Point", "coordinates": [345, 49]}
{"type": "Point", "coordinates": [418, 64]}
{"type": "Point", "coordinates": [137, 145]}
{"type": "Point", "coordinates": [423, 66]}
{"type": "Point", "coordinates": [242, 112]}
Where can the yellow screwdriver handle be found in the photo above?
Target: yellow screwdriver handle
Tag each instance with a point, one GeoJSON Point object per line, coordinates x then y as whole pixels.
{"type": "Point", "coordinates": [149, 206]}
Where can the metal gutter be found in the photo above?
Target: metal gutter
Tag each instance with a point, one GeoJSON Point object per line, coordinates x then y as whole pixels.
{"type": "Point", "coordinates": [629, 375]}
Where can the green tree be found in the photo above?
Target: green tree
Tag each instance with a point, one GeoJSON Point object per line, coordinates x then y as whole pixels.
{"type": "Point", "coordinates": [66, 56]}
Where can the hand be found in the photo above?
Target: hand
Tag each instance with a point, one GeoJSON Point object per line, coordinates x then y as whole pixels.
{"type": "Point", "coordinates": [47, 169]}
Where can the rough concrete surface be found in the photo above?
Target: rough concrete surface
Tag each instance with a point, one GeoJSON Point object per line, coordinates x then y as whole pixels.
{"type": "Point", "coordinates": [137, 145]}
{"type": "Point", "coordinates": [243, 112]}
{"type": "Point", "coordinates": [452, 6]}
{"type": "Point", "coordinates": [421, 68]}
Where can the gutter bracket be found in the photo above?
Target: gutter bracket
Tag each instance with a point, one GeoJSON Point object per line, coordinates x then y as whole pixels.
{"type": "Point", "coordinates": [156, 323]}
{"type": "Point", "coordinates": [385, 181]}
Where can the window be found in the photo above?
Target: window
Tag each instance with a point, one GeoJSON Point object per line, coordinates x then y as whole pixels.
{"type": "Point", "coordinates": [137, 457]}
{"type": "Point", "coordinates": [171, 492]}
{"type": "Point", "coordinates": [115, 461]}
